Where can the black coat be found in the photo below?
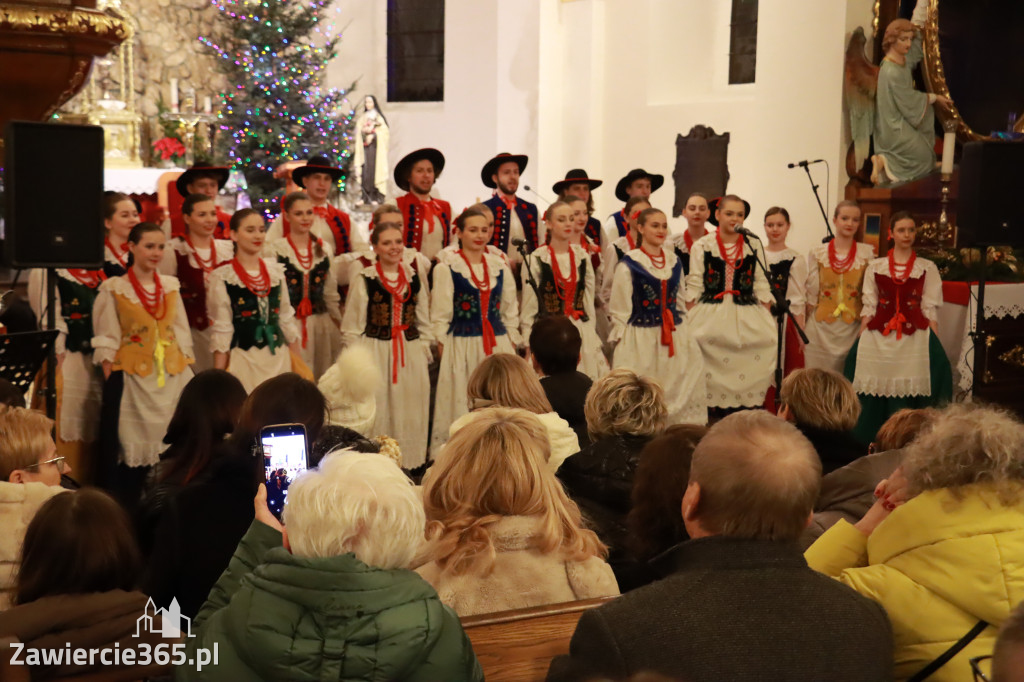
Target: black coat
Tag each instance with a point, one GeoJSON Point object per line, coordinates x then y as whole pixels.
{"type": "Point", "coordinates": [734, 610]}
{"type": "Point", "coordinates": [835, 448]}
{"type": "Point", "coordinates": [567, 392]}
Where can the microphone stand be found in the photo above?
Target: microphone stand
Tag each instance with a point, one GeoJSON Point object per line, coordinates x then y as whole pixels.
{"type": "Point", "coordinates": [780, 310]}
{"type": "Point", "coordinates": [824, 216]}
{"type": "Point", "coordinates": [523, 253]}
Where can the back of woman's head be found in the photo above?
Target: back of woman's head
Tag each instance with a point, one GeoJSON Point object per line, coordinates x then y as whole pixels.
{"type": "Point", "coordinates": [900, 429]}
{"type": "Point", "coordinates": [496, 466]}
{"type": "Point", "coordinates": [624, 403]}
{"type": "Point", "coordinates": [969, 443]}
{"type": "Point", "coordinates": [655, 520]}
{"type": "Point", "coordinates": [207, 412]}
{"type": "Point", "coordinates": [77, 543]}
{"type": "Point", "coordinates": [24, 436]}
{"type": "Point", "coordinates": [821, 399]}
{"type": "Point", "coordinates": [284, 399]}
{"type": "Point", "coordinates": [506, 380]}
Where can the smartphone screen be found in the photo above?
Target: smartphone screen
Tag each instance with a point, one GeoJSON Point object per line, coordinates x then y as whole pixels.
{"type": "Point", "coordinates": [284, 458]}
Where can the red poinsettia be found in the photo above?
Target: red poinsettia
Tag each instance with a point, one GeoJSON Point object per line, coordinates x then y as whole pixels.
{"type": "Point", "coordinates": [168, 148]}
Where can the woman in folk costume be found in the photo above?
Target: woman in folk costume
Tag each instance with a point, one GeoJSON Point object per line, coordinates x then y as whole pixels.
{"type": "Point", "coordinates": [312, 289]}
{"type": "Point", "coordinates": [474, 313]}
{"type": "Point", "coordinates": [191, 258]}
{"type": "Point", "coordinates": [614, 250]}
{"type": "Point", "coordinates": [728, 296]}
{"type": "Point", "coordinates": [787, 274]}
{"type": "Point", "coordinates": [120, 215]}
{"type": "Point", "coordinates": [697, 214]}
{"type": "Point", "coordinates": [450, 253]}
{"type": "Point", "coordinates": [142, 340]}
{"type": "Point", "coordinates": [255, 333]}
{"type": "Point", "coordinates": [648, 331]}
{"type": "Point", "coordinates": [898, 362]}
{"type": "Point", "coordinates": [581, 219]}
{"type": "Point", "coordinates": [388, 306]}
{"type": "Point", "coordinates": [835, 273]}
{"type": "Point", "coordinates": [565, 286]}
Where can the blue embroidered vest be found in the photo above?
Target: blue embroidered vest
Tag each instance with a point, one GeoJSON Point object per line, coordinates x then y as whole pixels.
{"type": "Point", "coordinates": [647, 294]}
{"type": "Point", "coordinates": [742, 281]}
{"type": "Point", "coordinates": [379, 312]}
{"type": "Point", "coordinates": [466, 307]}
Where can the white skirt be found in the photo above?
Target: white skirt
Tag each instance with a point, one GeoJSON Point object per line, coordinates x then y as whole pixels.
{"type": "Point", "coordinates": [403, 408]}
{"type": "Point", "coordinates": [81, 398]}
{"type": "Point", "coordinates": [829, 343]}
{"type": "Point", "coordinates": [593, 363]}
{"type": "Point", "coordinates": [323, 343]}
{"type": "Point", "coordinates": [146, 410]}
{"type": "Point", "coordinates": [256, 365]}
{"type": "Point", "coordinates": [681, 375]}
{"type": "Point", "coordinates": [893, 368]}
{"type": "Point", "coordinates": [460, 357]}
{"type": "Point", "coordinates": [738, 344]}
{"type": "Point", "coordinates": [201, 350]}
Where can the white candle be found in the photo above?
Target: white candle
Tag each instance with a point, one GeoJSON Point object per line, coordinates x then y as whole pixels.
{"type": "Point", "coordinates": [174, 95]}
{"type": "Point", "coordinates": [207, 105]}
{"type": "Point", "coordinates": [948, 147]}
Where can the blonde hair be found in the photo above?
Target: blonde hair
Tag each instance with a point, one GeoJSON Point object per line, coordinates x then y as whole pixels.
{"type": "Point", "coordinates": [496, 466]}
{"type": "Point", "coordinates": [24, 437]}
{"type": "Point", "coordinates": [893, 32]}
{"type": "Point", "coordinates": [821, 398]}
{"type": "Point", "coordinates": [967, 444]}
{"type": "Point", "coordinates": [623, 402]}
{"type": "Point", "coordinates": [506, 380]}
{"type": "Point", "coordinates": [759, 477]}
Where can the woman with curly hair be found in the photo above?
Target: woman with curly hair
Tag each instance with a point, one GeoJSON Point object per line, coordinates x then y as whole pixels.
{"type": "Point", "coordinates": [503, 534]}
{"type": "Point", "coordinates": [943, 547]}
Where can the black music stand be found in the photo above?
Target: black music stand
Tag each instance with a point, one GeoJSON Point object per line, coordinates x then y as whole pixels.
{"type": "Point", "coordinates": [23, 354]}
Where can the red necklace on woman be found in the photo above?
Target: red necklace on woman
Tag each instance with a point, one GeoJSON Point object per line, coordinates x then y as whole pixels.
{"type": "Point", "coordinates": [204, 265]}
{"type": "Point", "coordinates": [259, 285]}
{"type": "Point", "coordinates": [90, 278]}
{"type": "Point", "coordinates": [907, 267]}
{"type": "Point", "coordinates": [305, 262]}
{"type": "Point", "coordinates": [485, 283]}
{"type": "Point", "coordinates": [153, 303]}
{"type": "Point", "coordinates": [657, 260]}
{"type": "Point", "coordinates": [630, 240]}
{"type": "Point", "coordinates": [732, 255]}
{"type": "Point", "coordinates": [565, 287]}
{"type": "Point", "coordinates": [117, 252]}
{"type": "Point", "coordinates": [484, 287]}
{"type": "Point", "coordinates": [841, 266]}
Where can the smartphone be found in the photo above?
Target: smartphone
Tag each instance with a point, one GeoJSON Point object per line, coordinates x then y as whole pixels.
{"type": "Point", "coordinates": [284, 458]}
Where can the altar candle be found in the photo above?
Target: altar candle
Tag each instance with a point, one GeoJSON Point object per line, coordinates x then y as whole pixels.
{"type": "Point", "coordinates": [948, 147]}
{"type": "Point", "coordinates": [207, 105]}
{"type": "Point", "coordinates": [174, 95]}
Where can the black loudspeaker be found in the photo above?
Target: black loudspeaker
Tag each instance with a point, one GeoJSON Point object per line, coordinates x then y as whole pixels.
{"type": "Point", "coordinates": [990, 210]}
{"type": "Point", "coordinates": [53, 175]}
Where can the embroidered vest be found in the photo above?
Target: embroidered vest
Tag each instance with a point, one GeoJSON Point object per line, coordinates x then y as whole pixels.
{"type": "Point", "coordinates": [742, 280]}
{"type": "Point", "coordinates": [317, 283]}
{"type": "Point", "coordinates": [778, 276]}
{"type": "Point", "coordinates": [620, 223]}
{"type": "Point", "coordinates": [901, 301]}
{"type": "Point", "coordinates": [684, 258]}
{"type": "Point", "coordinates": [113, 269]}
{"type": "Point", "coordinates": [839, 295]}
{"type": "Point", "coordinates": [140, 334]}
{"type": "Point", "coordinates": [76, 308]}
{"type": "Point", "coordinates": [647, 295]}
{"type": "Point", "coordinates": [379, 312]}
{"type": "Point", "coordinates": [593, 230]}
{"type": "Point", "coordinates": [193, 291]}
{"type": "Point", "coordinates": [255, 320]}
{"type": "Point", "coordinates": [466, 307]}
{"type": "Point", "coordinates": [413, 219]}
{"type": "Point", "coordinates": [527, 214]}
{"type": "Point", "coordinates": [550, 303]}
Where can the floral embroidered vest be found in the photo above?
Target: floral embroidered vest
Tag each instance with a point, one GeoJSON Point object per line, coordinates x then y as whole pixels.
{"type": "Point", "coordinates": [901, 302]}
{"type": "Point", "coordinates": [466, 307]}
{"type": "Point", "coordinates": [255, 319]}
{"type": "Point", "coordinates": [647, 295]}
{"type": "Point", "coordinates": [550, 303]}
{"type": "Point", "coordinates": [839, 294]}
{"type": "Point", "coordinates": [317, 282]}
{"type": "Point", "coordinates": [379, 312]}
{"type": "Point", "coordinates": [778, 276]}
{"type": "Point", "coordinates": [193, 290]}
{"type": "Point", "coordinates": [741, 287]}
{"type": "Point", "coordinates": [76, 308]}
{"type": "Point", "coordinates": [140, 334]}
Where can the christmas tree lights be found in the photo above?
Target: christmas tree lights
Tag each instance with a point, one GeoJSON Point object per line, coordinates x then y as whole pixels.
{"type": "Point", "coordinates": [274, 53]}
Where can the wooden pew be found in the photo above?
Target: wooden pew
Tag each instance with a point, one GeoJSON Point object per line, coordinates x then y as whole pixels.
{"type": "Point", "coordinates": [519, 644]}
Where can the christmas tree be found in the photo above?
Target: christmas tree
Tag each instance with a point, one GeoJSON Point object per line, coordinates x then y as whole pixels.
{"type": "Point", "coordinates": [275, 55]}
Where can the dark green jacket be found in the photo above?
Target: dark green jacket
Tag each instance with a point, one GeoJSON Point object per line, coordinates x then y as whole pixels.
{"type": "Point", "coordinates": [275, 616]}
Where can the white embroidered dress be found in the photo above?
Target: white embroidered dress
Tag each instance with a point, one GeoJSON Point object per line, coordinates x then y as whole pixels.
{"type": "Point", "coordinates": [830, 340]}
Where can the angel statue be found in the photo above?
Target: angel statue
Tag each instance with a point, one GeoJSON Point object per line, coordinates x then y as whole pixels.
{"type": "Point", "coordinates": [883, 102]}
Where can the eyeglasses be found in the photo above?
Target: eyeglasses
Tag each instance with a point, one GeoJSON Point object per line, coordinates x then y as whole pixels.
{"type": "Point", "coordinates": [56, 461]}
{"type": "Point", "coordinates": [979, 670]}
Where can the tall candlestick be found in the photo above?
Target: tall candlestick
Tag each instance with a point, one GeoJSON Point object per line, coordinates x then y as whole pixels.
{"type": "Point", "coordinates": [948, 147]}
{"type": "Point", "coordinates": [207, 105]}
{"type": "Point", "coordinates": [174, 95]}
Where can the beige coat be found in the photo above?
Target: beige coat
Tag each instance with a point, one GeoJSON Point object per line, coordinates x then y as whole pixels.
{"type": "Point", "coordinates": [522, 575]}
{"type": "Point", "coordinates": [19, 503]}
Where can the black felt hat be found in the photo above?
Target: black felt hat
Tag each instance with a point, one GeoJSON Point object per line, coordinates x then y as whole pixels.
{"type": "Point", "coordinates": [409, 160]}
{"type": "Point", "coordinates": [713, 206]}
{"type": "Point", "coordinates": [316, 164]}
{"type": "Point", "coordinates": [491, 166]}
{"type": "Point", "coordinates": [637, 174]}
{"type": "Point", "coordinates": [576, 176]}
{"type": "Point", "coordinates": [201, 168]}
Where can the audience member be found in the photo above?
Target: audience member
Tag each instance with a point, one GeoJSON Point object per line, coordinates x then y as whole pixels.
{"type": "Point", "coordinates": [824, 406]}
{"type": "Point", "coordinates": [200, 529]}
{"type": "Point", "coordinates": [206, 414]}
{"type": "Point", "coordinates": [848, 492]}
{"type": "Point", "coordinates": [624, 412]}
{"type": "Point", "coordinates": [942, 549]}
{"type": "Point", "coordinates": [503, 533]}
{"type": "Point", "coordinates": [506, 380]}
{"type": "Point", "coordinates": [1007, 661]}
{"type": "Point", "coordinates": [330, 596]}
{"type": "Point", "coordinates": [555, 345]}
{"type": "Point", "coordinates": [11, 395]}
{"type": "Point", "coordinates": [350, 386]}
{"type": "Point", "coordinates": [742, 604]}
{"type": "Point", "coordinates": [76, 585]}
{"type": "Point", "coordinates": [654, 522]}
{"type": "Point", "coordinates": [30, 475]}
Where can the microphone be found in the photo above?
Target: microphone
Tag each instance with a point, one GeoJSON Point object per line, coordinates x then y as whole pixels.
{"type": "Point", "coordinates": [747, 233]}
{"type": "Point", "coordinates": [539, 196]}
{"type": "Point", "coordinates": [521, 245]}
{"type": "Point", "coordinates": [805, 163]}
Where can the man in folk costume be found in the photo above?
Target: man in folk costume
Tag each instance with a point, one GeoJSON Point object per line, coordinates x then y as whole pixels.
{"type": "Point", "coordinates": [636, 183]}
{"type": "Point", "coordinates": [578, 184]}
{"type": "Point", "coordinates": [514, 218]}
{"type": "Point", "coordinates": [201, 178]}
{"type": "Point", "coordinates": [427, 222]}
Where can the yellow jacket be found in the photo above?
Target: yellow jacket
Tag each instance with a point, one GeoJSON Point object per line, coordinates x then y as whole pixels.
{"type": "Point", "coordinates": [938, 565]}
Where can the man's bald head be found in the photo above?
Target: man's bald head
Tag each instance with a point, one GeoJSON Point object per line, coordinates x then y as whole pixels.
{"type": "Point", "coordinates": [758, 477]}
